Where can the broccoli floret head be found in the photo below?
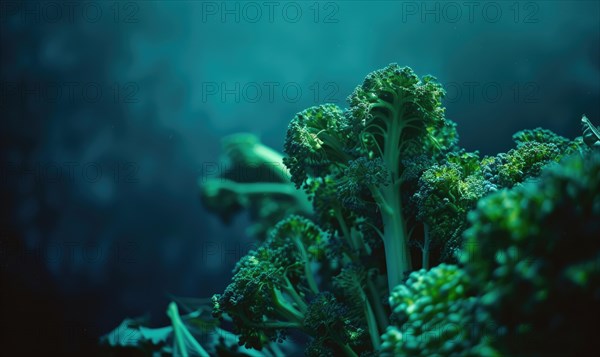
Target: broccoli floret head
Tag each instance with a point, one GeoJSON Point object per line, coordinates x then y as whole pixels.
{"type": "Point", "coordinates": [395, 110]}
{"type": "Point", "coordinates": [535, 149]}
{"type": "Point", "coordinates": [526, 161]}
{"type": "Point", "coordinates": [360, 175]}
{"type": "Point", "coordinates": [446, 193]}
{"type": "Point", "coordinates": [394, 117]}
{"type": "Point", "coordinates": [316, 138]}
{"type": "Point", "coordinates": [250, 299]}
{"type": "Point", "coordinates": [540, 135]}
{"type": "Point", "coordinates": [435, 313]}
{"type": "Point", "coordinates": [270, 285]}
{"type": "Point", "coordinates": [326, 316]}
{"type": "Point", "coordinates": [334, 329]}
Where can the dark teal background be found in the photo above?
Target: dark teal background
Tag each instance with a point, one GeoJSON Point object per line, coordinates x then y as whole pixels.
{"type": "Point", "coordinates": [133, 98]}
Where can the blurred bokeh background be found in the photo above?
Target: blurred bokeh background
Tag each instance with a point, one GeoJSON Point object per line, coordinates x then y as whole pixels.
{"type": "Point", "coordinates": [110, 111]}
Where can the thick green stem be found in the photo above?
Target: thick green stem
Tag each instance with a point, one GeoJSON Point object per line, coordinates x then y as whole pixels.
{"type": "Point", "coordinates": [346, 233]}
{"type": "Point", "coordinates": [375, 298]}
{"type": "Point", "coordinates": [372, 324]}
{"type": "Point", "coordinates": [308, 272]}
{"type": "Point", "coordinates": [426, 246]}
{"type": "Point", "coordinates": [285, 309]}
{"type": "Point", "coordinates": [289, 289]}
{"type": "Point", "coordinates": [395, 239]}
{"type": "Point", "coordinates": [396, 250]}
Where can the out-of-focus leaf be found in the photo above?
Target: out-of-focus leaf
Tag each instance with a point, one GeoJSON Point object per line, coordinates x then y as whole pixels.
{"type": "Point", "coordinates": [130, 333]}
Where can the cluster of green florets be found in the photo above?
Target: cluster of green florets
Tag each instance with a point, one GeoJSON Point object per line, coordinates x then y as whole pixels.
{"type": "Point", "coordinates": [533, 253]}
{"type": "Point", "coordinates": [271, 285]}
{"type": "Point", "coordinates": [529, 276]}
{"type": "Point", "coordinates": [435, 313]}
{"type": "Point", "coordinates": [380, 236]}
{"type": "Point", "coordinates": [413, 246]}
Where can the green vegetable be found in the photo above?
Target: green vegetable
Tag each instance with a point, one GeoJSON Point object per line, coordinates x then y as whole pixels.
{"type": "Point", "coordinates": [436, 313]}
{"type": "Point", "coordinates": [382, 236]}
{"type": "Point", "coordinates": [251, 176]}
{"type": "Point", "coordinates": [591, 133]}
{"type": "Point", "coordinates": [269, 289]}
{"type": "Point", "coordinates": [534, 254]}
{"type": "Point", "coordinates": [446, 193]}
{"type": "Point", "coordinates": [449, 190]}
{"type": "Point", "coordinates": [393, 116]}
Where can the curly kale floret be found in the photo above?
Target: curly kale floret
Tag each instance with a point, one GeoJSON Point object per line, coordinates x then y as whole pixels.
{"type": "Point", "coordinates": [446, 193]}
{"type": "Point", "coordinates": [535, 149]}
{"type": "Point", "coordinates": [254, 300]}
{"type": "Point", "coordinates": [393, 104]}
{"type": "Point", "coordinates": [525, 161]}
{"type": "Point", "coordinates": [534, 252]}
{"type": "Point", "coordinates": [360, 177]}
{"type": "Point", "coordinates": [329, 210]}
{"type": "Point", "coordinates": [268, 291]}
{"type": "Point", "coordinates": [316, 138]}
{"type": "Point", "coordinates": [334, 330]}
{"type": "Point", "coordinates": [443, 139]}
{"type": "Point", "coordinates": [435, 313]}
{"type": "Point", "coordinates": [394, 117]}
{"type": "Point", "coordinates": [542, 136]}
